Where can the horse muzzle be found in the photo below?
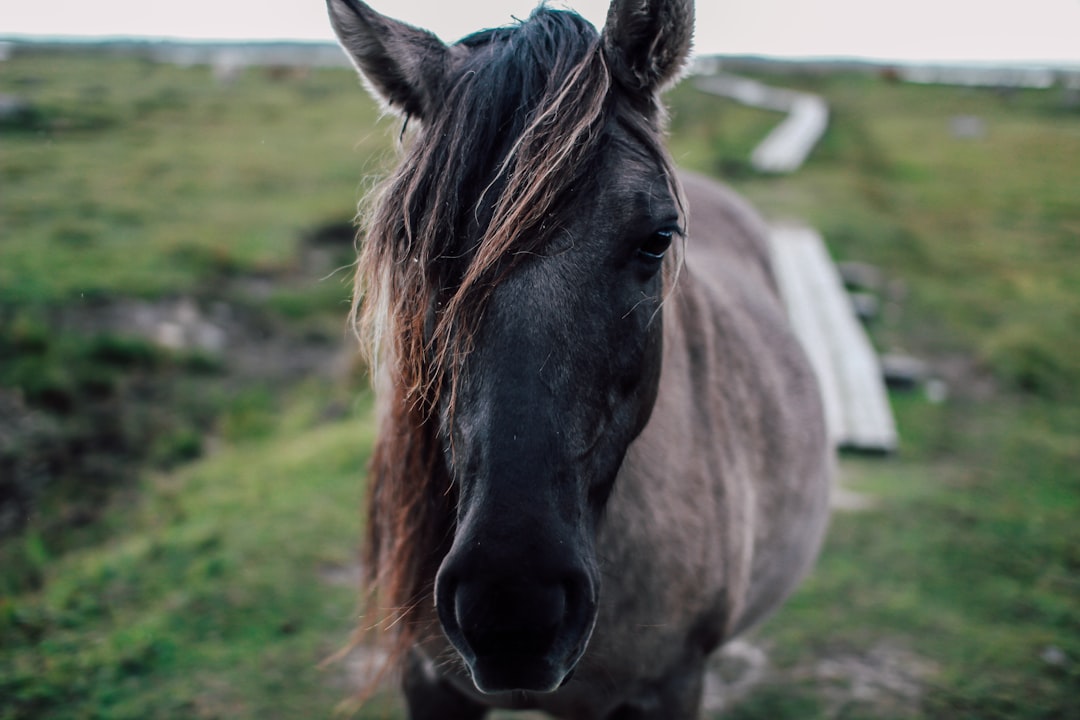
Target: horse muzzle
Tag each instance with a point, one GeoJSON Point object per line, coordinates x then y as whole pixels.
{"type": "Point", "coordinates": [515, 630]}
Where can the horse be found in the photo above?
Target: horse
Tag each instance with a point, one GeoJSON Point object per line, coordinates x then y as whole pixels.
{"type": "Point", "coordinates": [601, 450]}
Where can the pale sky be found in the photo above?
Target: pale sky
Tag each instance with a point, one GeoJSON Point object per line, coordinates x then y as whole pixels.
{"type": "Point", "coordinates": [950, 30]}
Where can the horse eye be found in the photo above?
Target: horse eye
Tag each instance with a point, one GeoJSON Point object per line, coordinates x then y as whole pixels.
{"type": "Point", "coordinates": [656, 245]}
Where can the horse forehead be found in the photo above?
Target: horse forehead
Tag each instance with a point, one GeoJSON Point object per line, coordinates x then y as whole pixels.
{"type": "Point", "coordinates": [630, 165]}
{"type": "Point", "coordinates": [626, 191]}
{"type": "Point", "coordinates": [633, 194]}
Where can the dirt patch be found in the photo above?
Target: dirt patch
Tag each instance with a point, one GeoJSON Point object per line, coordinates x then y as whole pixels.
{"type": "Point", "coordinates": [247, 343]}
{"type": "Point", "coordinates": [94, 391]}
{"type": "Point", "coordinates": [886, 681]}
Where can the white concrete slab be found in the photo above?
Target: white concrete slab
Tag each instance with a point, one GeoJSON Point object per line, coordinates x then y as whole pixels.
{"type": "Point", "coordinates": [786, 148]}
{"type": "Point", "coordinates": [857, 406]}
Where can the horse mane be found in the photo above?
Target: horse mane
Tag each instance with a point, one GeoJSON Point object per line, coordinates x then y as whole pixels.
{"type": "Point", "coordinates": [479, 188]}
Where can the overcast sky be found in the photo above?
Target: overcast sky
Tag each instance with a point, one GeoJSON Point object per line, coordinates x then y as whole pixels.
{"type": "Point", "coordinates": [1011, 30]}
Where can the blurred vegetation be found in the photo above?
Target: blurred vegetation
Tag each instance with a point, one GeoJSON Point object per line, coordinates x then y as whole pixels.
{"type": "Point", "coordinates": [178, 527]}
{"type": "Point", "coordinates": [969, 556]}
{"type": "Point", "coordinates": [210, 597]}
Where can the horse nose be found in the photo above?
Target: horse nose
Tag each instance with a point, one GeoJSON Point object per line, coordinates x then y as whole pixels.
{"type": "Point", "coordinates": [514, 631]}
{"type": "Point", "coordinates": [507, 619]}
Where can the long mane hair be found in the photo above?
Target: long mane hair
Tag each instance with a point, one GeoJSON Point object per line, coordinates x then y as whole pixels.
{"type": "Point", "coordinates": [479, 188]}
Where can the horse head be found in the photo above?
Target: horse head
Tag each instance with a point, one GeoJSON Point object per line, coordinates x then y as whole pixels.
{"type": "Point", "coordinates": [522, 249]}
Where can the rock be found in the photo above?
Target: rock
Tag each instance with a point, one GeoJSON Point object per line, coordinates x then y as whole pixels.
{"type": "Point", "coordinates": [177, 325]}
{"type": "Point", "coordinates": [732, 673]}
{"type": "Point", "coordinates": [18, 113]}
{"type": "Point", "coordinates": [967, 127]}
{"type": "Point", "coordinates": [12, 106]}
{"type": "Point", "coordinates": [861, 276]}
{"type": "Point", "coordinates": [902, 372]}
{"type": "Point", "coordinates": [332, 233]}
{"type": "Point", "coordinates": [1053, 655]}
{"type": "Point", "coordinates": [866, 305]}
{"type": "Point", "coordinates": [937, 391]}
{"type": "Point", "coordinates": [170, 335]}
{"type": "Point", "coordinates": [1070, 91]}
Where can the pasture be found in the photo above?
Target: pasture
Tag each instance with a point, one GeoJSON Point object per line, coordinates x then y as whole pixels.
{"type": "Point", "coordinates": [179, 523]}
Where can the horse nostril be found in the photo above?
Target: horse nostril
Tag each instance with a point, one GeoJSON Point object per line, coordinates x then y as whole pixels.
{"type": "Point", "coordinates": [509, 619]}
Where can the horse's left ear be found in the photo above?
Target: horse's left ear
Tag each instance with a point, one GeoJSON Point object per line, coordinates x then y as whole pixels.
{"type": "Point", "coordinates": [404, 66]}
{"type": "Point", "coordinates": [647, 42]}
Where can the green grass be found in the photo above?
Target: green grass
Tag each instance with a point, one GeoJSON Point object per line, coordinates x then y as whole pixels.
{"type": "Point", "coordinates": [211, 597]}
{"type": "Point", "coordinates": [180, 178]}
{"type": "Point", "coordinates": [203, 586]}
{"type": "Point", "coordinates": [714, 136]}
{"type": "Point", "coordinates": [135, 180]}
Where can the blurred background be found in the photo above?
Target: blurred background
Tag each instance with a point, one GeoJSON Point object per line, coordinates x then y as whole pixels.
{"type": "Point", "coordinates": [184, 426]}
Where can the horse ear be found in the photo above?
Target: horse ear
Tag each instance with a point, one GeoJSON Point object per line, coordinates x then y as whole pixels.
{"type": "Point", "coordinates": [647, 42]}
{"type": "Point", "coordinates": [404, 66]}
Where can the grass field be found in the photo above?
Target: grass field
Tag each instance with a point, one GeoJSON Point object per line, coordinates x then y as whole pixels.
{"type": "Point", "coordinates": [178, 528]}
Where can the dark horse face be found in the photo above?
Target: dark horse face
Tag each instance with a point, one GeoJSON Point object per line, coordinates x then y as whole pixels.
{"type": "Point", "coordinates": [562, 377]}
{"type": "Point", "coordinates": [555, 371]}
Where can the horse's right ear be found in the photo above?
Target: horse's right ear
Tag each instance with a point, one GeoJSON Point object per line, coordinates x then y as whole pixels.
{"type": "Point", "coordinates": [404, 66]}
